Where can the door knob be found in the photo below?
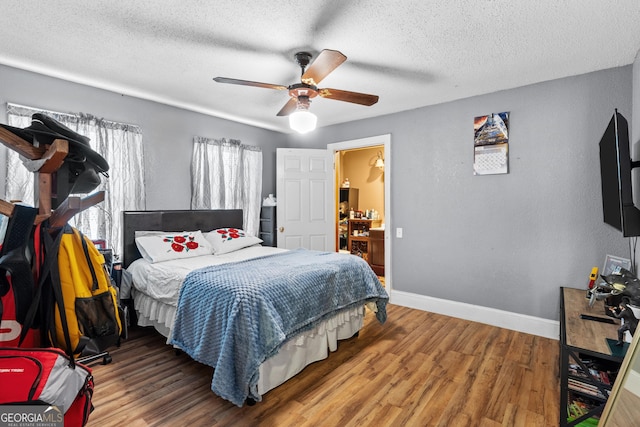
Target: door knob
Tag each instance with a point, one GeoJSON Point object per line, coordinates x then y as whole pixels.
{"type": "Point", "coordinates": [281, 229]}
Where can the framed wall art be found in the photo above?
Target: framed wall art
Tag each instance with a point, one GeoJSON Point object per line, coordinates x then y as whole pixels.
{"type": "Point", "coordinates": [491, 144]}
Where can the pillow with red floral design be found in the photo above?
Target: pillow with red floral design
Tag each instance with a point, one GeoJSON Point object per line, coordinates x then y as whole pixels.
{"type": "Point", "coordinates": [225, 240]}
{"type": "Point", "coordinates": [173, 245]}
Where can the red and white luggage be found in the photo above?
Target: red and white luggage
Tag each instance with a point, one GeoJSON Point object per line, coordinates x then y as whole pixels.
{"type": "Point", "coordinates": [46, 376]}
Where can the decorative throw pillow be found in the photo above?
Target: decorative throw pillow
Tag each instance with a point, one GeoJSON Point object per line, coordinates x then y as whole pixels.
{"type": "Point", "coordinates": [173, 245]}
{"type": "Point", "coordinates": [225, 240]}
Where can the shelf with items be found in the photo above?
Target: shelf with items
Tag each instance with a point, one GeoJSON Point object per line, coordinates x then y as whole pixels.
{"type": "Point", "coordinates": [360, 247]}
{"type": "Point", "coordinates": [591, 377]}
{"type": "Point", "coordinates": [359, 242]}
{"type": "Point", "coordinates": [588, 366]}
{"type": "Point", "coordinates": [359, 227]}
{"type": "Point", "coordinates": [580, 407]}
{"type": "Point", "coordinates": [348, 202]}
{"type": "Point", "coordinates": [268, 232]}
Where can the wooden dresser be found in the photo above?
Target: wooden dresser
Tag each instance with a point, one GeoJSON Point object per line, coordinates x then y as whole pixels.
{"type": "Point", "coordinates": [367, 243]}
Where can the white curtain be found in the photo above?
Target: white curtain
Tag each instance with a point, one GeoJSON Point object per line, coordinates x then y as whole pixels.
{"type": "Point", "coordinates": [226, 174]}
{"type": "Point", "coordinates": [121, 146]}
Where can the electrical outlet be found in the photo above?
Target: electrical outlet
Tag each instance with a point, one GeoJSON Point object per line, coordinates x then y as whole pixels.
{"type": "Point", "coordinates": [399, 233]}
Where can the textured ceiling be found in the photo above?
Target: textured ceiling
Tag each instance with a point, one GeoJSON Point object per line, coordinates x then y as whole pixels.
{"type": "Point", "coordinates": [410, 53]}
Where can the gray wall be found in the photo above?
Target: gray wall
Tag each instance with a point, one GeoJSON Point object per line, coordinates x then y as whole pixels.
{"type": "Point", "coordinates": [501, 241]}
{"type": "Point", "coordinates": [167, 131]}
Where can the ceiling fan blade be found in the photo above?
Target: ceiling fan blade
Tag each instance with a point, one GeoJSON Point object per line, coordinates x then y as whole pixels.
{"type": "Point", "coordinates": [249, 83]}
{"type": "Point", "coordinates": [327, 61]}
{"type": "Point", "coordinates": [347, 96]}
{"type": "Point", "coordinates": [289, 107]}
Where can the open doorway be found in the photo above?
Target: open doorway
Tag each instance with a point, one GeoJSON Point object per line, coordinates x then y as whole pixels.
{"type": "Point", "coordinates": [362, 205]}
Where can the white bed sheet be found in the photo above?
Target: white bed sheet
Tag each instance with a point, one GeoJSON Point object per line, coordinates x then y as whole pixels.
{"type": "Point", "coordinates": [162, 280]}
{"type": "Point", "coordinates": [156, 290]}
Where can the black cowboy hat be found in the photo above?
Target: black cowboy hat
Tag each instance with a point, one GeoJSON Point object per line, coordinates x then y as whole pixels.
{"type": "Point", "coordinates": [46, 129]}
{"type": "Point", "coordinates": [84, 164]}
{"type": "Point", "coordinates": [82, 179]}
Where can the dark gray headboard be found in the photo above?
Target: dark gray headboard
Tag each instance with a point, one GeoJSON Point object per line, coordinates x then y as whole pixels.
{"type": "Point", "coordinates": [179, 220]}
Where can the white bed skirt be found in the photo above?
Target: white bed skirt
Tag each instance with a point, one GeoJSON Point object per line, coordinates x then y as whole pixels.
{"type": "Point", "coordinates": [294, 355]}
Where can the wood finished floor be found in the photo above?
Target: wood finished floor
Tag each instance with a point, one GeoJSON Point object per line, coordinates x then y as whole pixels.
{"type": "Point", "coordinates": [418, 369]}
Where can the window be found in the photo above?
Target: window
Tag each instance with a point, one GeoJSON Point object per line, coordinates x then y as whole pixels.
{"type": "Point", "coordinates": [226, 174]}
{"type": "Point", "coordinates": [120, 144]}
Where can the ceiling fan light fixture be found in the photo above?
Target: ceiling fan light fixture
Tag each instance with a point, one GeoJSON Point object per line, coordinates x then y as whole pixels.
{"type": "Point", "coordinates": [311, 74]}
{"type": "Point", "coordinates": [302, 121]}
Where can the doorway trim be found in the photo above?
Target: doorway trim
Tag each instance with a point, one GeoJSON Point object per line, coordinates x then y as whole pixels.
{"type": "Point", "coordinates": [384, 140]}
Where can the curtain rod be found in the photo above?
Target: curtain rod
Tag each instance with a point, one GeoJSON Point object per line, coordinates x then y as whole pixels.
{"type": "Point", "coordinates": [13, 104]}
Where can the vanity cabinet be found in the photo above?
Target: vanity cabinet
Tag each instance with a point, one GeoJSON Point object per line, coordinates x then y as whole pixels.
{"type": "Point", "coordinates": [376, 246]}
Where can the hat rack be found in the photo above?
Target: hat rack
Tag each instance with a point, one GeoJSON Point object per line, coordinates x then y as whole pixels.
{"type": "Point", "coordinates": [54, 157]}
{"type": "Point", "coordinates": [6, 208]}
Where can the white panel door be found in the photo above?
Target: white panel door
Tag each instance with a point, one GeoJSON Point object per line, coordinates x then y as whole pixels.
{"type": "Point", "coordinates": [304, 180]}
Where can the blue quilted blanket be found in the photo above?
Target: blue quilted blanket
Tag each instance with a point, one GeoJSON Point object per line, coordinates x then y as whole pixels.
{"type": "Point", "coordinates": [234, 316]}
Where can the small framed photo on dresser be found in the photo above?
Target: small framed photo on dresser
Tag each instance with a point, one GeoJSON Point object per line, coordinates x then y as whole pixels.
{"type": "Point", "coordinates": [613, 264]}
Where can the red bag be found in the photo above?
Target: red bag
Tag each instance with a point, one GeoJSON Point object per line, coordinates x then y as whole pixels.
{"type": "Point", "coordinates": [17, 284]}
{"type": "Point", "coordinates": [46, 376]}
{"type": "Point", "coordinates": [10, 328]}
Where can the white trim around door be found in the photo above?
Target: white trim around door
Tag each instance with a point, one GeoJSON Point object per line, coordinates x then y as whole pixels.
{"type": "Point", "coordinates": [384, 140]}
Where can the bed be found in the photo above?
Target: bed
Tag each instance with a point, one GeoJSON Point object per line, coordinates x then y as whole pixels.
{"type": "Point", "coordinates": [248, 332]}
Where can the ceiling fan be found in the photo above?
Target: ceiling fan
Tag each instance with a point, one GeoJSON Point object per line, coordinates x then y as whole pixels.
{"type": "Point", "coordinates": [302, 93]}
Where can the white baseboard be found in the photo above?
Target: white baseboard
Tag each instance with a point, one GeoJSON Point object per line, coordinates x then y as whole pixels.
{"type": "Point", "coordinates": [491, 316]}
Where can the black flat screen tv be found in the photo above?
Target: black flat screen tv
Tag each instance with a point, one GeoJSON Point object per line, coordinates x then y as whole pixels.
{"type": "Point", "coordinates": [617, 183]}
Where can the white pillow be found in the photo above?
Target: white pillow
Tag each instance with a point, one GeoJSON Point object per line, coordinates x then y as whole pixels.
{"type": "Point", "coordinates": [225, 240]}
{"type": "Point", "coordinates": [173, 245]}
